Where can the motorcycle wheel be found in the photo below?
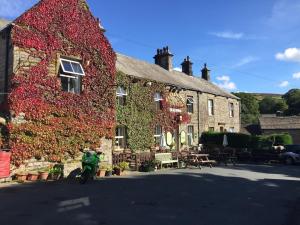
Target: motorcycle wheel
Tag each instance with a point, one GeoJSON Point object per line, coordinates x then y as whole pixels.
{"type": "Point", "coordinates": [84, 177]}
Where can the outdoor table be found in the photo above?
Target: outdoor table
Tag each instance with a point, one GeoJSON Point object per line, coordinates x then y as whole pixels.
{"type": "Point", "coordinates": [199, 159]}
{"type": "Point", "coordinates": [225, 158]}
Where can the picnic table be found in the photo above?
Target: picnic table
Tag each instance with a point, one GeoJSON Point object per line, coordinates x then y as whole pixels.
{"type": "Point", "coordinates": [199, 160]}
{"type": "Point", "coordinates": [226, 158]}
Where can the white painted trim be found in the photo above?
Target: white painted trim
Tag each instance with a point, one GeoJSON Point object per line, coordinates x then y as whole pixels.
{"type": "Point", "coordinates": [65, 71]}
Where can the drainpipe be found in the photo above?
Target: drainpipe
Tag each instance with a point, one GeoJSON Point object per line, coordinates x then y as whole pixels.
{"type": "Point", "coordinates": [7, 62]}
{"type": "Point", "coordinates": [198, 115]}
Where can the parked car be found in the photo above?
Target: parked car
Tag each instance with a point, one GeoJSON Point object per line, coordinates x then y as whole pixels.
{"type": "Point", "coordinates": [291, 154]}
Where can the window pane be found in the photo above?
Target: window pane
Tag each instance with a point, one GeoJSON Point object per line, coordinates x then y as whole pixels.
{"type": "Point", "coordinates": [67, 66]}
{"type": "Point", "coordinates": [64, 83]}
{"type": "Point", "coordinates": [77, 68]}
{"type": "Point", "coordinates": [157, 97]}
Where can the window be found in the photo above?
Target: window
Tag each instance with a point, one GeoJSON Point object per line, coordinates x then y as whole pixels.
{"type": "Point", "coordinates": [157, 135]}
{"type": "Point", "coordinates": [121, 96]}
{"type": "Point", "coordinates": [71, 73]}
{"type": "Point", "coordinates": [210, 107]}
{"type": "Point", "coordinates": [190, 135]}
{"type": "Point", "coordinates": [120, 139]}
{"type": "Point", "coordinates": [157, 99]}
{"type": "Point", "coordinates": [231, 130]}
{"type": "Point", "coordinates": [190, 105]}
{"type": "Point", "coordinates": [221, 129]}
{"type": "Point", "coordinates": [231, 110]}
{"type": "Point", "coordinates": [211, 129]}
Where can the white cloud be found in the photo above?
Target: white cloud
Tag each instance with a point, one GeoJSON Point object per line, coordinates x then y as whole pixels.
{"type": "Point", "coordinates": [296, 75]}
{"type": "Point", "coordinates": [223, 78]}
{"type": "Point", "coordinates": [284, 84]}
{"type": "Point", "coordinates": [226, 83]}
{"type": "Point", "coordinates": [177, 69]}
{"type": "Point", "coordinates": [245, 61]}
{"type": "Point", "coordinates": [285, 14]}
{"type": "Point", "coordinates": [290, 54]}
{"type": "Point", "coordinates": [12, 9]}
{"type": "Point", "coordinates": [228, 35]}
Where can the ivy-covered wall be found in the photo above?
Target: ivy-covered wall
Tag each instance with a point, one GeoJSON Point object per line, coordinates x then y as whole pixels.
{"type": "Point", "coordinates": [140, 116]}
{"type": "Point", "coordinates": [59, 124]}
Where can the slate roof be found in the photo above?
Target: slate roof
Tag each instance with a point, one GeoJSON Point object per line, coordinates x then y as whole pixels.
{"type": "Point", "coordinates": [3, 23]}
{"type": "Point", "coordinates": [279, 123]}
{"type": "Point", "coordinates": [142, 69]}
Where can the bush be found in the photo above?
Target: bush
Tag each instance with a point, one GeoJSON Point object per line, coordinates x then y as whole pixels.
{"type": "Point", "coordinates": [235, 140]}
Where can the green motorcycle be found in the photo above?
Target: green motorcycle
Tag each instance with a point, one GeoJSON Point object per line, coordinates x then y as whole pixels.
{"type": "Point", "coordinates": [90, 166]}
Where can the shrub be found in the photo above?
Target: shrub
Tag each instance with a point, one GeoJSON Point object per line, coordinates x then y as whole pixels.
{"type": "Point", "coordinates": [235, 140]}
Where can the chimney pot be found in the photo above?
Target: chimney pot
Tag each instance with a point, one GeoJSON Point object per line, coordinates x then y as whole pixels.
{"type": "Point", "coordinates": [187, 66]}
{"type": "Point", "coordinates": [164, 58]}
{"type": "Point", "coordinates": [205, 73]}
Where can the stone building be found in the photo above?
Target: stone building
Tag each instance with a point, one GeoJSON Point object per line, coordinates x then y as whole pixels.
{"type": "Point", "coordinates": [273, 124]}
{"type": "Point", "coordinates": [210, 108]}
{"type": "Point", "coordinates": [57, 79]}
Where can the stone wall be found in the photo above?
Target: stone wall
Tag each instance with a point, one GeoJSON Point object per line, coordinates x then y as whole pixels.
{"type": "Point", "coordinates": [294, 133]}
{"type": "Point", "coordinates": [221, 117]}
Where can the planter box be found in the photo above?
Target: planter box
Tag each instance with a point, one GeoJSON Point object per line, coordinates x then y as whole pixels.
{"type": "Point", "coordinates": [43, 175]}
{"type": "Point", "coordinates": [4, 164]}
{"type": "Point", "coordinates": [101, 173]}
{"type": "Point", "coordinates": [32, 177]}
{"type": "Point", "coordinates": [21, 177]}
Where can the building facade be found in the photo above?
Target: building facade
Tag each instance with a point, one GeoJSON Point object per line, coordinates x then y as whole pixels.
{"type": "Point", "coordinates": [272, 124]}
{"type": "Point", "coordinates": [203, 105]}
{"type": "Point", "coordinates": [57, 79]}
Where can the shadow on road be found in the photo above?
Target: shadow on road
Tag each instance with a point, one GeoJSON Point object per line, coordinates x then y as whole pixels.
{"type": "Point", "coordinates": [180, 197]}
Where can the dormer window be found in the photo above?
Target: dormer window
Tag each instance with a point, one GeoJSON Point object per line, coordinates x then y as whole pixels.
{"type": "Point", "coordinates": [121, 96]}
{"type": "Point", "coordinates": [190, 105]}
{"type": "Point", "coordinates": [71, 73]}
{"type": "Point", "coordinates": [158, 99]}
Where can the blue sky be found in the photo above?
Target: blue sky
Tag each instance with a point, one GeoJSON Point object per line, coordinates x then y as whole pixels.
{"type": "Point", "coordinates": [250, 45]}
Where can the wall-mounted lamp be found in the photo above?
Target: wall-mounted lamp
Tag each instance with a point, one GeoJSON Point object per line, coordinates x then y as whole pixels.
{"type": "Point", "coordinates": [149, 84]}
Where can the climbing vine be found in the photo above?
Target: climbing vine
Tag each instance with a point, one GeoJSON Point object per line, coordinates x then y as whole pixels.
{"type": "Point", "coordinates": [140, 116]}
{"type": "Point", "coordinates": [58, 124]}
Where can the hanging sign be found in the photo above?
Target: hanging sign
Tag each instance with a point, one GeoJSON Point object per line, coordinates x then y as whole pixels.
{"type": "Point", "coordinates": [169, 138]}
{"type": "Point", "coordinates": [182, 137]}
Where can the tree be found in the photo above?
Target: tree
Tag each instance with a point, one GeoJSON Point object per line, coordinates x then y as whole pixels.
{"type": "Point", "coordinates": [292, 98]}
{"type": "Point", "coordinates": [249, 108]}
{"type": "Point", "coordinates": [271, 105]}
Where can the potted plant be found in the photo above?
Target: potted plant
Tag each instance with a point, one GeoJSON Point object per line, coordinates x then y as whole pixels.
{"type": "Point", "coordinates": [101, 172]}
{"type": "Point", "coordinates": [124, 166]}
{"type": "Point", "coordinates": [43, 174]}
{"type": "Point", "coordinates": [21, 176]}
{"type": "Point", "coordinates": [117, 171]}
{"type": "Point", "coordinates": [56, 172]}
{"type": "Point", "coordinates": [108, 172]}
{"type": "Point", "coordinates": [32, 176]}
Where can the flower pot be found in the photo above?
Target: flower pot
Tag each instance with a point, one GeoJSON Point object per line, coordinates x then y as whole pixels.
{"type": "Point", "coordinates": [101, 173]}
{"type": "Point", "coordinates": [118, 171]}
{"type": "Point", "coordinates": [32, 177]}
{"type": "Point", "coordinates": [43, 175]}
{"type": "Point", "coordinates": [108, 173]}
{"type": "Point", "coordinates": [21, 177]}
{"type": "Point", "coordinates": [54, 176]}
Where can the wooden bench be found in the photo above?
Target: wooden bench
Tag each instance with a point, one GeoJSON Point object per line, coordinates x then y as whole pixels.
{"type": "Point", "coordinates": [165, 158]}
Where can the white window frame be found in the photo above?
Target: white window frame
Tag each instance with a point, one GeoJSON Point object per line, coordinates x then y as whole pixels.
{"type": "Point", "coordinates": [190, 101]}
{"type": "Point", "coordinates": [156, 136]}
{"type": "Point", "coordinates": [231, 130]}
{"type": "Point", "coordinates": [231, 110]}
{"type": "Point", "coordinates": [157, 99]}
{"type": "Point", "coordinates": [71, 61]}
{"type": "Point", "coordinates": [120, 137]}
{"type": "Point", "coordinates": [122, 93]}
{"type": "Point", "coordinates": [190, 135]}
{"type": "Point", "coordinates": [211, 107]}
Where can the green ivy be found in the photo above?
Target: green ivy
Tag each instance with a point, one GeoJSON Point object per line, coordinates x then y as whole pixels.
{"type": "Point", "coordinates": [139, 114]}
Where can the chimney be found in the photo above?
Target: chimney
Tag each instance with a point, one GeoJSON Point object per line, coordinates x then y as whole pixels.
{"type": "Point", "coordinates": [205, 73]}
{"type": "Point", "coordinates": [100, 25]}
{"type": "Point", "coordinates": [164, 58]}
{"type": "Point", "coordinates": [187, 66]}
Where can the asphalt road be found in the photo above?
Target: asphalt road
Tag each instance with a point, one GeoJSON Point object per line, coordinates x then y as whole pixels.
{"type": "Point", "coordinates": [241, 195]}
